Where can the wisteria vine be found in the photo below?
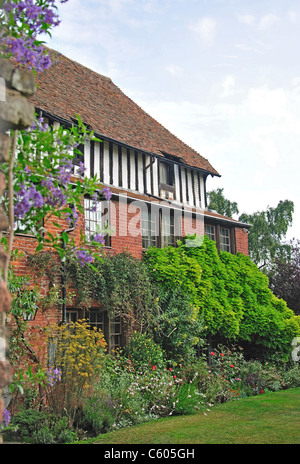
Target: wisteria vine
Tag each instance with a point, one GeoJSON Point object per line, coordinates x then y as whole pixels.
{"type": "Point", "coordinates": [22, 23]}
{"type": "Point", "coordinates": [43, 186]}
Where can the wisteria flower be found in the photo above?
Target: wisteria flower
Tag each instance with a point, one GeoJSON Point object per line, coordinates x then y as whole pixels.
{"type": "Point", "coordinates": [99, 238]}
{"type": "Point", "coordinates": [53, 376]}
{"type": "Point", "coordinates": [84, 257]}
{"type": "Point", "coordinates": [81, 169]}
{"type": "Point", "coordinates": [72, 217]}
{"type": "Point", "coordinates": [107, 193]}
{"type": "Point", "coordinates": [27, 20]}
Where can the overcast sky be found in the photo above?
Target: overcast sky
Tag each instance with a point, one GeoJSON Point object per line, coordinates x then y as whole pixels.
{"type": "Point", "coordinates": [222, 75]}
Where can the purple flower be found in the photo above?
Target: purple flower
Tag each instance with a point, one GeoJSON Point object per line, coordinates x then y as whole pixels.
{"type": "Point", "coordinates": [107, 193]}
{"type": "Point", "coordinates": [38, 19]}
{"type": "Point", "coordinates": [35, 196]}
{"type": "Point", "coordinates": [64, 173]}
{"type": "Point", "coordinates": [99, 238]}
{"type": "Point", "coordinates": [53, 376]}
{"type": "Point", "coordinates": [55, 196]}
{"type": "Point", "coordinates": [84, 257]}
{"type": "Point", "coordinates": [6, 417]}
{"type": "Point", "coordinates": [72, 217]}
{"type": "Point", "coordinates": [81, 168]}
{"type": "Point", "coordinates": [22, 203]}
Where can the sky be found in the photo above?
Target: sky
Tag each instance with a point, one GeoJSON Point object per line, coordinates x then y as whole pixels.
{"type": "Point", "coordinates": [222, 75]}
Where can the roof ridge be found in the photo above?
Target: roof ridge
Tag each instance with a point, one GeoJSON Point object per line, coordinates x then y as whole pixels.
{"type": "Point", "coordinates": [55, 52]}
{"type": "Point", "coordinates": [70, 87]}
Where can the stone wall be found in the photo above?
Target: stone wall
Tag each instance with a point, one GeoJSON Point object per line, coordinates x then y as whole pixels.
{"type": "Point", "coordinates": [16, 112]}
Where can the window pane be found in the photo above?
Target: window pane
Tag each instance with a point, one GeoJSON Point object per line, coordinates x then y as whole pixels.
{"type": "Point", "coordinates": [148, 229]}
{"type": "Point", "coordinates": [96, 215]}
{"type": "Point", "coordinates": [96, 318]}
{"type": "Point", "coordinates": [210, 231]}
{"type": "Point", "coordinates": [224, 239]}
{"type": "Point", "coordinates": [167, 232]}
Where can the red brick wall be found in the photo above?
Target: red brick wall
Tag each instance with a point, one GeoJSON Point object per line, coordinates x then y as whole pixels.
{"type": "Point", "coordinates": [192, 224]}
{"type": "Point", "coordinates": [126, 228]}
{"type": "Point", "coordinates": [241, 241]}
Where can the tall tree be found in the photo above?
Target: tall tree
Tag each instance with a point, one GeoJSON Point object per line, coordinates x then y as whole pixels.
{"type": "Point", "coordinates": [267, 233]}
{"type": "Point", "coordinates": [284, 277]}
{"type": "Point", "coordinates": [222, 205]}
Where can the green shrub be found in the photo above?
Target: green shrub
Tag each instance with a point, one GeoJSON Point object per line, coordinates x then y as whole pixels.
{"type": "Point", "coordinates": [40, 427]}
{"type": "Point", "coordinates": [27, 423]}
{"type": "Point", "coordinates": [143, 351]}
{"type": "Point", "coordinates": [230, 294]}
{"type": "Point", "coordinates": [98, 414]}
{"type": "Point", "coordinates": [291, 376]}
{"type": "Point", "coordinates": [43, 436]}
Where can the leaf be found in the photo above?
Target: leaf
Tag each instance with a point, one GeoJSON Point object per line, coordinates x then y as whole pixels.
{"type": "Point", "coordinates": [65, 237]}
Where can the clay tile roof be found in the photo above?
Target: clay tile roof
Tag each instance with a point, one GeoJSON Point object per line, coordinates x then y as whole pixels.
{"type": "Point", "coordinates": [67, 88]}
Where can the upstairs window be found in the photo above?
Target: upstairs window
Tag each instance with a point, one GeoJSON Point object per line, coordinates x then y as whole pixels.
{"type": "Point", "coordinates": [148, 229]}
{"type": "Point", "coordinates": [166, 174]}
{"type": "Point", "coordinates": [224, 239]}
{"type": "Point", "coordinates": [96, 214]}
{"type": "Point", "coordinates": [158, 228]}
{"type": "Point", "coordinates": [220, 235]}
{"type": "Point", "coordinates": [167, 229]}
{"type": "Point", "coordinates": [210, 232]}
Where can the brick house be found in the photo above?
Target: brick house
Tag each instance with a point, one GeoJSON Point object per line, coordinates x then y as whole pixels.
{"type": "Point", "coordinates": [158, 183]}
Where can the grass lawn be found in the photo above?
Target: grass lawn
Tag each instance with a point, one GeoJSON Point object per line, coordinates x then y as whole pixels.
{"type": "Point", "coordinates": [270, 418]}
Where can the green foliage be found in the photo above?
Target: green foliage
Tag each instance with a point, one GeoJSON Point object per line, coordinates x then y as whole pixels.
{"type": "Point", "coordinates": [230, 294]}
{"type": "Point", "coordinates": [24, 297]}
{"type": "Point", "coordinates": [268, 229]}
{"type": "Point", "coordinates": [222, 205]}
{"type": "Point", "coordinates": [143, 351]}
{"type": "Point", "coordinates": [39, 427]}
{"type": "Point", "coordinates": [120, 283]}
{"type": "Point", "coordinates": [176, 325]}
{"type": "Point", "coordinates": [284, 277]}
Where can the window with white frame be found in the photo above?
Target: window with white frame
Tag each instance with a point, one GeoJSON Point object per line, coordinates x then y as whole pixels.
{"type": "Point", "coordinates": [167, 228]}
{"type": "Point", "coordinates": [224, 239]}
{"type": "Point", "coordinates": [158, 227]}
{"type": "Point", "coordinates": [210, 231]}
{"type": "Point", "coordinates": [96, 214]}
{"type": "Point", "coordinates": [148, 228]}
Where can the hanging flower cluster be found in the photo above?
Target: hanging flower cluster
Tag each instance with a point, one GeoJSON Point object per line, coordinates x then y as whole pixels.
{"type": "Point", "coordinates": [47, 183]}
{"type": "Point", "coordinates": [22, 22]}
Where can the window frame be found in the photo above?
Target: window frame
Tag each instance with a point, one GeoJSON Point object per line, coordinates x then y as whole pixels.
{"type": "Point", "coordinates": [229, 244]}
{"type": "Point", "coordinates": [88, 220]}
{"type": "Point", "coordinates": [210, 235]}
{"type": "Point", "coordinates": [225, 239]}
{"type": "Point", "coordinates": [155, 224]}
